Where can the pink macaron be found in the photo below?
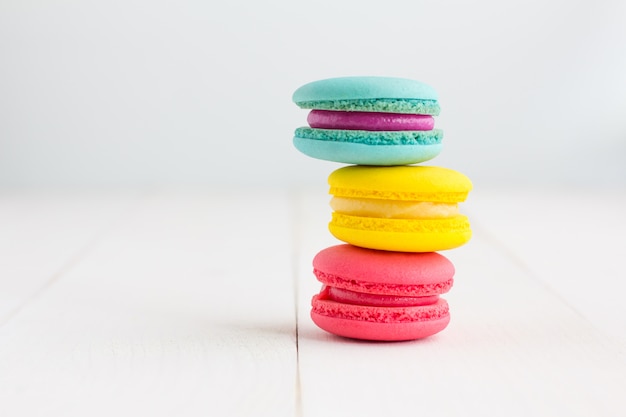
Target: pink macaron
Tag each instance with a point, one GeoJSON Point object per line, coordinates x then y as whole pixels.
{"type": "Point", "coordinates": [380, 295]}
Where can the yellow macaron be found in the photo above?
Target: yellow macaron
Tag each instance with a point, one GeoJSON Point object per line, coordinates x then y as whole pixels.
{"type": "Point", "coordinates": [400, 208]}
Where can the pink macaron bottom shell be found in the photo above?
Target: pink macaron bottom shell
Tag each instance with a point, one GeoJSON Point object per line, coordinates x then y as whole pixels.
{"type": "Point", "coordinates": [379, 323]}
{"type": "Point", "coordinates": [372, 121]}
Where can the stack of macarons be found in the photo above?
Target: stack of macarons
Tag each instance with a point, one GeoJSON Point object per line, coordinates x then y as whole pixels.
{"type": "Point", "coordinates": [394, 216]}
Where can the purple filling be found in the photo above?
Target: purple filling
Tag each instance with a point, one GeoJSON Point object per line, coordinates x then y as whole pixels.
{"type": "Point", "coordinates": [358, 298]}
{"type": "Point", "coordinates": [356, 120]}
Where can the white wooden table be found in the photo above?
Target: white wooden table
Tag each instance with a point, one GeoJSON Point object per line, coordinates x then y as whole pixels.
{"type": "Point", "coordinates": [195, 303]}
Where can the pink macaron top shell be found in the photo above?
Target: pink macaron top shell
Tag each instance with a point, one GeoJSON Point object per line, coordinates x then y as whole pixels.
{"type": "Point", "coordinates": [383, 272]}
{"type": "Point", "coordinates": [373, 121]}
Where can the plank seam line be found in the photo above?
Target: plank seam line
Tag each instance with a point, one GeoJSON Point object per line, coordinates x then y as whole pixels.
{"type": "Point", "coordinates": [296, 236]}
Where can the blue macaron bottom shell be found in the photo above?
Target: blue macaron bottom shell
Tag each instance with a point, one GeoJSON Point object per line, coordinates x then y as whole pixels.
{"type": "Point", "coordinates": [364, 154]}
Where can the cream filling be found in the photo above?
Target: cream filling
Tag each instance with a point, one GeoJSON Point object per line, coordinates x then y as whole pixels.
{"type": "Point", "coordinates": [393, 209]}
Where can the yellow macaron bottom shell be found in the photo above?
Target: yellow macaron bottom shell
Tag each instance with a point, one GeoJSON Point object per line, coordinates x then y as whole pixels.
{"type": "Point", "coordinates": [393, 209]}
{"type": "Point", "coordinates": [401, 235]}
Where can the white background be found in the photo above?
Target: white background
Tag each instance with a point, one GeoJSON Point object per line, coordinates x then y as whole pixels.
{"type": "Point", "coordinates": [136, 93]}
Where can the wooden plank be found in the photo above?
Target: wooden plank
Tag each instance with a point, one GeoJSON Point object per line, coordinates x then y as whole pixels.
{"type": "Point", "coordinates": [186, 309]}
{"type": "Point", "coordinates": [513, 348]}
{"type": "Point", "coordinates": [42, 233]}
{"type": "Point", "coordinates": [571, 241]}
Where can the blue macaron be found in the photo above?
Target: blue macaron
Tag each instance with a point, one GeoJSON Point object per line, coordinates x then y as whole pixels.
{"type": "Point", "coordinates": [369, 121]}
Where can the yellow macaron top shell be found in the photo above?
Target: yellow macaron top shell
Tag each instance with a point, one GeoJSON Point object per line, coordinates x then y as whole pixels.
{"type": "Point", "coordinates": [405, 183]}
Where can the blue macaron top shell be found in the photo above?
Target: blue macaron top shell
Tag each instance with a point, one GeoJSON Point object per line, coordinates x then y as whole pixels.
{"type": "Point", "coordinates": [355, 88]}
{"type": "Point", "coordinates": [370, 94]}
